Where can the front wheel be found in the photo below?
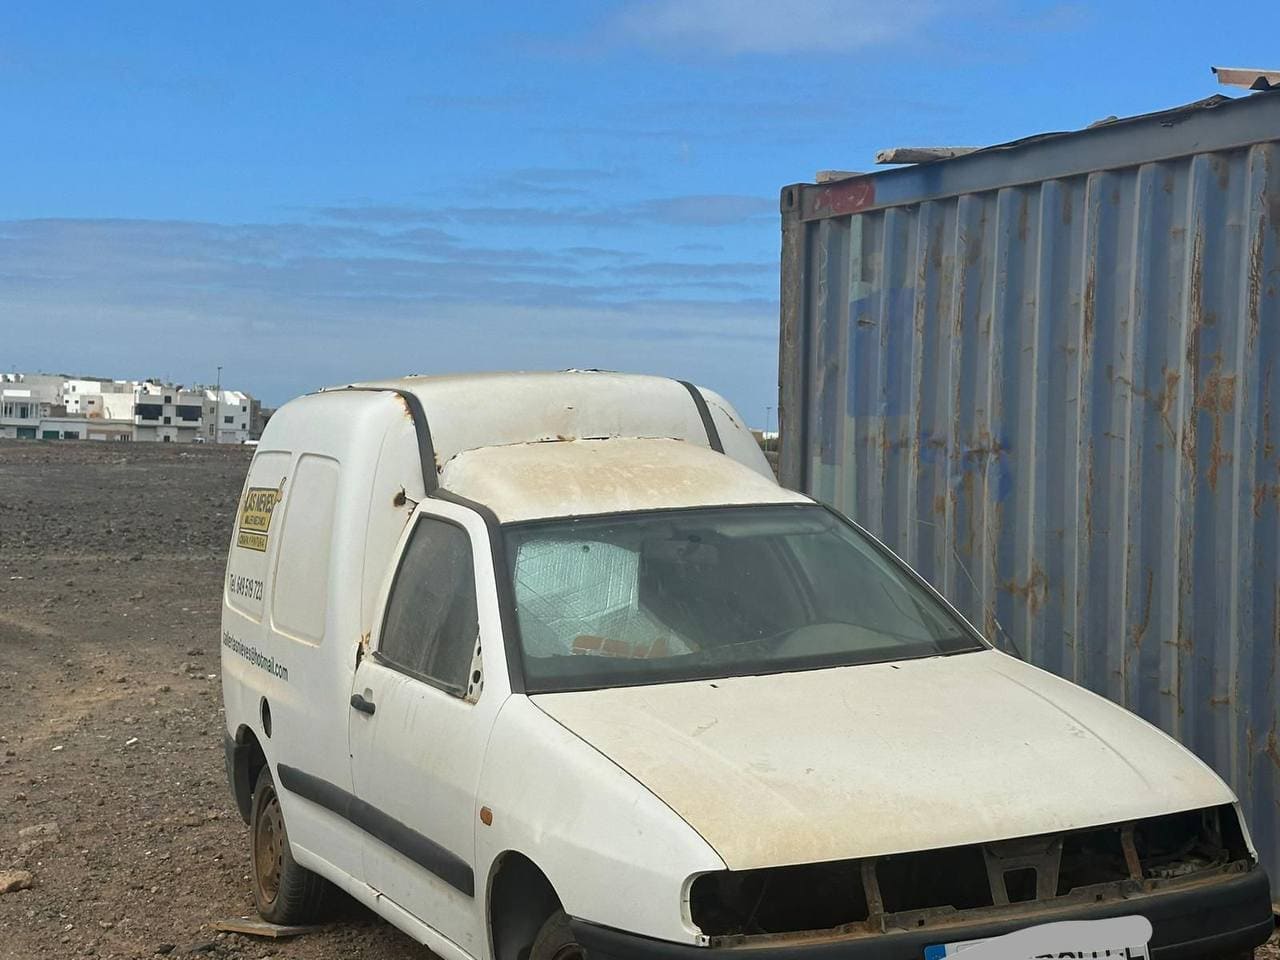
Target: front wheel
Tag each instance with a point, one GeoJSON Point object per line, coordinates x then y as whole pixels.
{"type": "Point", "coordinates": [283, 891]}
{"type": "Point", "coordinates": [555, 941]}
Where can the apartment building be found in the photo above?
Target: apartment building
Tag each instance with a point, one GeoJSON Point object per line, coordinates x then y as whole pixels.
{"type": "Point", "coordinates": [167, 413]}
{"type": "Point", "coordinates": [87, 396]}
{"type": "Point", "coordinates": [25, 400]}
{"type": "Point", "coordinates": [229, 416]}
{"type": "Point", "coordinates": [55, 407]}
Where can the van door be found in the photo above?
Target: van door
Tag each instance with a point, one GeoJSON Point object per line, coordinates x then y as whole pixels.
{"type": "Point", "coordinates": [285, 535]}
{"type": "Point", "coordinates": [420, 720]}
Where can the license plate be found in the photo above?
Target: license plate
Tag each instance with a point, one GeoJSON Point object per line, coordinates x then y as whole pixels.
{"type": "Point", "coordinates": [1118, 938]}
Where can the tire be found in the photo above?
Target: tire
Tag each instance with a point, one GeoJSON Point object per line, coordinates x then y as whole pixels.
{"type": "Point", "coordinates": [283, 891]}
{"type": "Point", "coordinates": [555, 941]}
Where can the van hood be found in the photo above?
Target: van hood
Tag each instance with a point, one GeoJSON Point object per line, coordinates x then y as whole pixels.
{"type": "Point", "coordinates": [886, 758]}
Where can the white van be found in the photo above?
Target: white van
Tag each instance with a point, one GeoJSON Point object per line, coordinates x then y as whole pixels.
{"type": "Point", "coordinates": [540, 666]}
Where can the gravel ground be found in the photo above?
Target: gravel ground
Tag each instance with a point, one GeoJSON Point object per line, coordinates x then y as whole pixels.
{"type": "Point", "coordinates": [112, 793]}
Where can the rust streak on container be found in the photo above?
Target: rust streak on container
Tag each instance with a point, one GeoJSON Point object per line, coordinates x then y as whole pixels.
{"type": "Point", "coordinates": [1033, 591]}
{"type": "Point", "coordinates": [1196, 320]}
{"type": "Point", "coordinates": [1140, 628]}
{"type": "Point", "coordinates": [1217, 398]}
{"type": "Point", "coordinates": [1273, 750]}
{"type": "Point", "coordinates": [1221, 171]}
{"type": "Point", "coordinates": [1268, 447]}
{"type": "Point", "coordinates": [1090, 291]}
{"type": "Point", "coordinates": [1252, 311]}
{"type": "Point", "coordinates": [1261, 494]}
{"type": "Point", "coordinates": [1163, 402]}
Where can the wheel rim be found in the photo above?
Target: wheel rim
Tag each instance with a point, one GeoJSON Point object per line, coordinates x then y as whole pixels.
{"type": "Point", "coordinates": [268, 848]}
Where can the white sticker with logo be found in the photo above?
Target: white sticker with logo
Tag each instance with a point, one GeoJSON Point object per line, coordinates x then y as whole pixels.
{"type": "Point", "coordinates": [1116, 938]}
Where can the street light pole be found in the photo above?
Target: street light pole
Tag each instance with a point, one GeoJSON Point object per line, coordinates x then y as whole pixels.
{"type": "Point", "coordinates": [217, 407]}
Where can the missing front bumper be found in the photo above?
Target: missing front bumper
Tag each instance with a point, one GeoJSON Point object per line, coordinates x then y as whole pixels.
{"type": "Point", "coordinates": [1223, 914]}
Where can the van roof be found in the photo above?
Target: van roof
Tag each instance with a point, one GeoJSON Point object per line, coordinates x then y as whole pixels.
{"type": "Point", "coordinates": [469, 411]}
{"type": "Point", "coordinates": [528, 481]}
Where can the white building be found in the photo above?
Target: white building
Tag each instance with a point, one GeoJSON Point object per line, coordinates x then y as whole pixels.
{"type": "Point", "coordinates": [45, 386]}
{"type": "Point", "coordinates": [166, 412]}
{"type": "Point", "coordinates": [228, 416]}
{"type": "Point", "coordinates": [63, 427]}
{"type": "Point", "coordinates": [85, 396]}
{"type": "Point", "coordinates": [98, 409]}
{"type": "Point", "coordinates": [20, 413]}
{"type": "Point", "coordinates": [24, 400]}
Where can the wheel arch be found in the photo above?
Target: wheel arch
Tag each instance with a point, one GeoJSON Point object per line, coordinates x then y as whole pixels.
{"type": "Point", "coordinates": [520, 899]}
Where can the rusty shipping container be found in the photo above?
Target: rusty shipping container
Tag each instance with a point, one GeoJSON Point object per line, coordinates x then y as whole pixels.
{"type": "Point", "coordinates": [1046, 373]}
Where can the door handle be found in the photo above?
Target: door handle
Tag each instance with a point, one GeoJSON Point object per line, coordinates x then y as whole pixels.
{"type": "Point", "coordinates": [358, 702]}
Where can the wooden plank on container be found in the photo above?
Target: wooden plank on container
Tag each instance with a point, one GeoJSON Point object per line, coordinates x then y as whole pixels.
{"type": "Point", "coordinates": [921, 154]}
{"type": "Point", "coordinates": [1247, 77]}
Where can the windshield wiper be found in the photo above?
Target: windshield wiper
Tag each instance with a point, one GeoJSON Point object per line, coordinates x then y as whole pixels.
{"type": "Point", "coordinates": [724, 650]}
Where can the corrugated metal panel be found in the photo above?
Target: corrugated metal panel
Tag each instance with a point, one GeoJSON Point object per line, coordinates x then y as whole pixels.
{"type": "Point", "coordinates": [1058, 399]}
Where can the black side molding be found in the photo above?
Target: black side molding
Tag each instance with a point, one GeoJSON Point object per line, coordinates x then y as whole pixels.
{"type": "Point", "coordinates": [423, 851]}
{"type": "Point", "coordinates": [699, 401]}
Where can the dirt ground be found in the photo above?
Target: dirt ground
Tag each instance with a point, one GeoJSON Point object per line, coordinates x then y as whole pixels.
{"type": "Point", "coordinates": [111, 561]}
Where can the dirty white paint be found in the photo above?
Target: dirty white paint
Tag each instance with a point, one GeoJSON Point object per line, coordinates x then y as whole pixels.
{"type": "Point", "coordinates": [615, 853]}
{"type": "Point", "coordinates": [887, 758]}
{"type": "Point", "coordinates": [581, 477]}
{"type": "Point", "coordinates": [492, 409]}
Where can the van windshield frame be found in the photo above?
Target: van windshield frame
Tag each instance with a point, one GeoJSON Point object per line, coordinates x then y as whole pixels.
{"type": "Point", "coordinates": [559, 651]}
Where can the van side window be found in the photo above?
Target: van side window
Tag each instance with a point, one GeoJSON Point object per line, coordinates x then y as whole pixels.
{"type": "Point", "coordinates": [431, 625]}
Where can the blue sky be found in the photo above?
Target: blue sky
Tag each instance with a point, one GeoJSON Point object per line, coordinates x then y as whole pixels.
{"type": "Point", "coordinates": [309, 193]}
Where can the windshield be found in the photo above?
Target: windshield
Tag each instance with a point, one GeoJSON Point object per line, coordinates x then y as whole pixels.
{"type": "Point", "coordinates": [728, 591]}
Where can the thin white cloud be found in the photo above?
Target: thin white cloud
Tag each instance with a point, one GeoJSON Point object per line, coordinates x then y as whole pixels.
{"type": "Point", "coordinates": [699, 210]}
{"type": "Point", "coordinates": [769, 27]}
{"type": "Point", "coordinates": [291, 306]}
